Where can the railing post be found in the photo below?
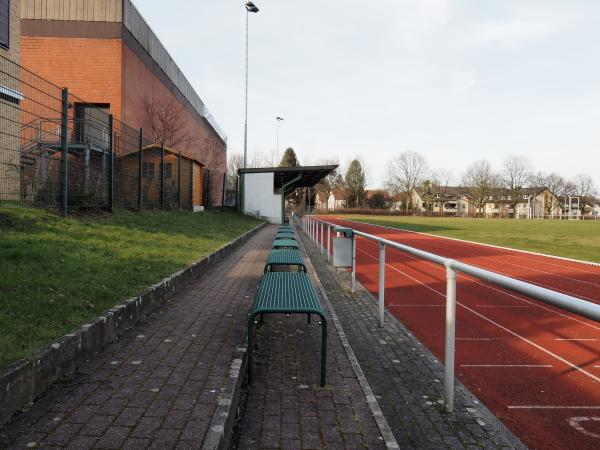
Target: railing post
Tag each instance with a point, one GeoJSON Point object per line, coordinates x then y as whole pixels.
{"type": "Point", "coordinates": [450, 335]}
{"type": "Point", "coordinates": [162, 175]}
{"type": "Point", "coordinates": [328, 242]}
{"type": "Point", "coordinates": [353, 262]}
{"type": "Point", "coordinates": [322, 240]}
{"type": "Point", "coordinates": [141, 168]}
{"type": "Point", "coordinates": [64, 146]}
{"type": "Point", "coordinates": [381, 284]}
{"type": "Point", "coordinates": [111, 169]}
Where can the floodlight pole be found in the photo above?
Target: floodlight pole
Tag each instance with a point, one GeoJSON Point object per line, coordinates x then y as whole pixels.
{"type": "Point", "coordinates": [250, 7]}
{"type": "Point", "coordinates": [278, 119]}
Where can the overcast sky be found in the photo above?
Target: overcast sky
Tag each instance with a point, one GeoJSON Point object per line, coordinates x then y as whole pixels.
{"type": "Point", "coordinates": [456, 80]}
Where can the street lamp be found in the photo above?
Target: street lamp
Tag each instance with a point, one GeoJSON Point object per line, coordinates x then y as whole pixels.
{"type": "Point", "coordinates": [279, 119]}
{"type": "Point", "coordinates": [250, 8]}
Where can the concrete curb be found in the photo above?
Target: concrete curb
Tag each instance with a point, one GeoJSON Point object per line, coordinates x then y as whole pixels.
{"type": "Point", "coordinates": [25, 380]}
{"type": "Point", "coordinates": [220, 429]}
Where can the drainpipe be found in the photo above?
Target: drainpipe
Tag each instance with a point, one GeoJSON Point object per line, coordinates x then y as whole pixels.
{"type": "Point", "coordinates": [283, 195]}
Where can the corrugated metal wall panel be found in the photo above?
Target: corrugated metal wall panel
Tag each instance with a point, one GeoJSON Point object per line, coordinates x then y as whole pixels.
{"type": "Point", "coordinates": [85, 10]}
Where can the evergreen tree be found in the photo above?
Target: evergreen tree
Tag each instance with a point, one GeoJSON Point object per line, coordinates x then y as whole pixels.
{"type": "Point", "coordinates": [289, 158]}
{"type": "Point", "coordinates": [356, 182]}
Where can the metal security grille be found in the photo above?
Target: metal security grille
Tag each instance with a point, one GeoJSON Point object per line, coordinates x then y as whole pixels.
{"type": "Point", "coordinates": [59, 151]}
{"type": "Point", "coordinates": [5, 23]}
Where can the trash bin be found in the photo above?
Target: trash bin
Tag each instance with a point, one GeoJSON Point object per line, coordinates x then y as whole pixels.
{"type": "Point", "coordinates": [342, 247]}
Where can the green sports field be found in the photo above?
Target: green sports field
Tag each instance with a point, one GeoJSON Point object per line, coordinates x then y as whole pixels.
{"type": "Point", "coordinates": [568, 238]}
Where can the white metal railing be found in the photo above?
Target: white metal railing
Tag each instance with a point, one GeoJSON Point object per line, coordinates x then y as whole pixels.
{"type": "Point", "coordinates": [314, 228]}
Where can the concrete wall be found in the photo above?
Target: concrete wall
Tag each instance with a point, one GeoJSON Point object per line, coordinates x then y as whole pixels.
{"type": "Point", "coordinates": [259, 195]}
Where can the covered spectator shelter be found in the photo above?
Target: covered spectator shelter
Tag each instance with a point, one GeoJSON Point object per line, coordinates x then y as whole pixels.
{"type": "Point", "coordinates": [263, 190]}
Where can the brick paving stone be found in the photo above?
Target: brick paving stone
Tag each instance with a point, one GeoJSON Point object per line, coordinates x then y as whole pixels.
{"type": "Point", "coordinates": [401, 371]}
{"type": "Point", "coordinates": [286, 407]}
{"type": "Point", "coordinates": [157, 386]}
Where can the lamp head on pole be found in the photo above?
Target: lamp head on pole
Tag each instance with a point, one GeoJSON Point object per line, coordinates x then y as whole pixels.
{"type": "Point", "coordinates": [279, 119]}
{"type": "Point", "coordinates": [251, 7]}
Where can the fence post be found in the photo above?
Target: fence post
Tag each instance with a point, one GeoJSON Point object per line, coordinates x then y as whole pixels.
{"type": "Point", "coordinates": [381, 284]}
{"type": "Point", "coordinates": [111, 146]}
{"type": "Point", "coordinates": [179, 181]}
{"type": "Point", "coordinates": [140, 168]}
{"type": "Point", "coordinates": [64, 146]}
{"type": "Point", "coordinates": [353, 262]}
{"type": "Point", "coordinates": [192, 185]}
{"type": "Point", "coordinates": [450, 335]}
{"type": "Point", "coordinates": [162, 175]}
{"type": "Point", "coordinates": [223, 193]}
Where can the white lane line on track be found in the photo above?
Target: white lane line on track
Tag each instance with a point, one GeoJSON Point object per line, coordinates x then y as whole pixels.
{"type": "Point", "coordinates": [576, 339]}
{"type": "Point", "coordinates": [502, 306]}
{"type": "Point", "coordinates": [506, 365]}
{"type": "Point", "coordinates": [502, 327]}
{"type": "Point", "coordinates": [505, 292]}
{"type": "Point", "coordinates": [415, 305]}
{"type": "Point", "coordinates": [473, 339]}
{"type": "Point", "coordinates": [551, 407]}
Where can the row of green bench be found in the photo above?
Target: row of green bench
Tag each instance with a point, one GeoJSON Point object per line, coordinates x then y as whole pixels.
{"type": "Point", "coordinates": [286, 292]}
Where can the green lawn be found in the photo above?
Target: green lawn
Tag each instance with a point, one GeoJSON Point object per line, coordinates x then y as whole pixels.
{"type": "Point", "coordinates": [569, 238]}
{"type": "Point", "coordinates": [56, 274]}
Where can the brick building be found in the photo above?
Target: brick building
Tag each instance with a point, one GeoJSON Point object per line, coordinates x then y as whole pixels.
{"type": "Point", "coordinates": [10, 97]}
{"type": "Point", "coordinates": [105, 53]}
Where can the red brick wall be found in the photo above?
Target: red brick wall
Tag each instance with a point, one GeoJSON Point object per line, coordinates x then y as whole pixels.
{"type": "Point", "coordinates": [90, 68]}
{"type": "Point", "coordinates": [108, 71]}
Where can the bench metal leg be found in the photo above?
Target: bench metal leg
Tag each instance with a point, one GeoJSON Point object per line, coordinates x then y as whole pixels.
{"type": "Point", "coordinates": [250, 346]}
{"type": "Point", "coordinates": [308, 320]}
{"type": "Point", "coordinates": [323, 350]}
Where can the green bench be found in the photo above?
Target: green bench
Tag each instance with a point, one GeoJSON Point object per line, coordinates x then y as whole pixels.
{"type": "Point", "coordinates": [285, 236]}
{"type": "Point", "coordinates": [287, 293]}
{"type": "Point", "coordinates": [284, 243]}
{"type": "Point", "coordinates": [285, 257]}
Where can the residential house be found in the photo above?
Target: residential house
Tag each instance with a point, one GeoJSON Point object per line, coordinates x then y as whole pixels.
{"type": "Point", "coordinates": [377, 198]}
{"type": "Point", "coordinates": [321, 201]}
{"type": "Point", "coordinates": [336, 200]}
{"type": "Point", "coordinates": [453, 201]}
{"type": "Point", "coordinates": [533, 202]}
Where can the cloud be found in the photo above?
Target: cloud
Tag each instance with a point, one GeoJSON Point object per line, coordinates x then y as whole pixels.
{"type": "Point", "coordinates": [508, 33]}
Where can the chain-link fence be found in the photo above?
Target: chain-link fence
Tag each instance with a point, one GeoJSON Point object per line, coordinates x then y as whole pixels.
{"type": "Point", "coordinates": [59, 151]}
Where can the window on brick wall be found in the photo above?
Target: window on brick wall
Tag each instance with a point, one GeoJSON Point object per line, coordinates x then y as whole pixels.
{"type": "Point", "coordinates": [4, 23]}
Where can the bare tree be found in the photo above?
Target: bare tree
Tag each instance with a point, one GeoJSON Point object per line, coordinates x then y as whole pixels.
{"type": "Point", "coordinates": [166, 118]}
{"type": "Point", "coordinates": [584, 185]}
{"type": "Point", "coordinates": [405, 173]}
{"type": "Point", "coordinates": [236, 161]}
{"type": "Point", "coordinates": [515, 175]}
{"type": "Point", "coordinates": [480, 180]}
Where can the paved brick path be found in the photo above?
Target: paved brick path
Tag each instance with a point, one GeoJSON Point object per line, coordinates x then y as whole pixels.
{"type": "Point", "coordinates": [405, 376]}
{"type": "Point", "coordinates": [287, 409]}
{"type": "Point", "coordinates": [157, 386]}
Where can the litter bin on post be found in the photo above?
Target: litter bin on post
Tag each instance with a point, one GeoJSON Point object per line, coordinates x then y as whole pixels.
{"type": "Point", "coordinates": [343, 244]}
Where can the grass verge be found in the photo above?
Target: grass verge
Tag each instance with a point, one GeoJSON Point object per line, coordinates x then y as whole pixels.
{"type": "Point", "coordinates": [567, 238]}
{"type": "Point", "coordinates": [56, 274]}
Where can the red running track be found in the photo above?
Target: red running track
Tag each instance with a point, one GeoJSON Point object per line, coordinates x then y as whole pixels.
{"type": "Point", "coordinates": [536, 367]}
